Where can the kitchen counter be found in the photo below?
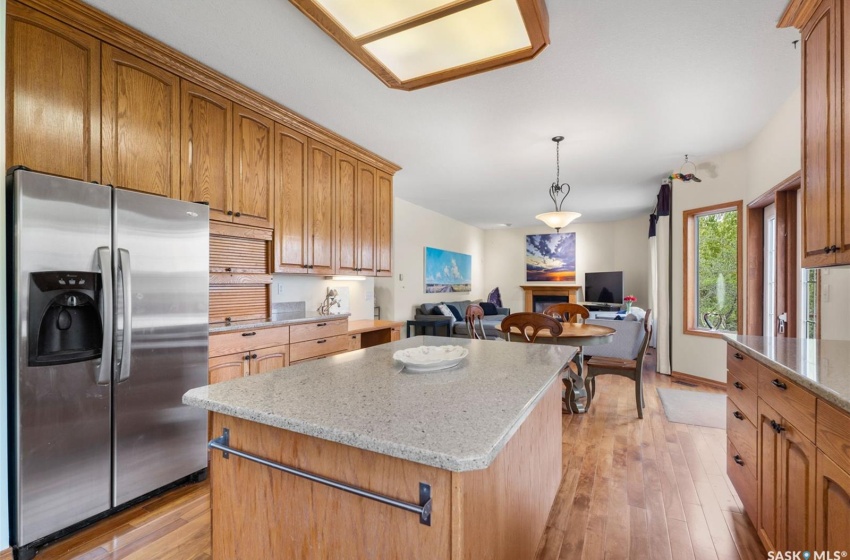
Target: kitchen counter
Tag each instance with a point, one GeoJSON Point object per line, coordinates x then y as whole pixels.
{"type": "Point", "coordinates": [456, 419]}
{"type": "Point", "coordinates": [474, 450]}
{"type": "Point", "coordinates": [821, 366]}
{"type": "Point", "coordinates": [274, 320]}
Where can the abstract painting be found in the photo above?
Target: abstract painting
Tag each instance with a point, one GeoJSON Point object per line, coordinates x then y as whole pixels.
{"type": "Point", "coordinates": [550, 257]}
{"type": "Point", "coordinates": [447, 271]}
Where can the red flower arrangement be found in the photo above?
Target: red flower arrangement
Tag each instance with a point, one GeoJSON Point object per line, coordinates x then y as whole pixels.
{"type": "Point", "coordinates": [630, 299]}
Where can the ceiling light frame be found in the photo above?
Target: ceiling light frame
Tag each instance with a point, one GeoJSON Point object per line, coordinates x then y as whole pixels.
{"type": "Point", "coordinates": [534, 15]}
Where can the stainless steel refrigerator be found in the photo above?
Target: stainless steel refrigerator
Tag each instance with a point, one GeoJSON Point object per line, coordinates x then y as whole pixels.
{"type": "Point", "coordinates": [108, 328]}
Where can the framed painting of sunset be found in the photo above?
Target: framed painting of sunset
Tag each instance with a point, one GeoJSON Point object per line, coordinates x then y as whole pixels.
{"type": "Point", "coordinates": [550, 257]}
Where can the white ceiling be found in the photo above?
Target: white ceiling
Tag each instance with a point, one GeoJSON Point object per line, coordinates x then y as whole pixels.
{"type": "Point", "coordinates": [632, 86]}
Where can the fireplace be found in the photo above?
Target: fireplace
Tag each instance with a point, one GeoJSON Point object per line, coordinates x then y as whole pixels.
{"type": "Point", "coordinates": [564, 293]}
{"type": "Point", "coordinates": [542, 302]}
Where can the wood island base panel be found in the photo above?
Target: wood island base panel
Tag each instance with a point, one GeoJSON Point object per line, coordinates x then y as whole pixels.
{"type": "Point", "coordinates": [498, 512]}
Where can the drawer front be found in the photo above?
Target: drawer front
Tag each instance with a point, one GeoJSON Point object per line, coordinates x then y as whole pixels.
{"type": "Point", "coordinates": [315, 358]}
{"type": "Point", "coordinates": [320, 329]}
{"type": "Point", "coordinates": [792, 402]}
{"type": "Point", "coordinates": [354, 342]}
{"type": "Point", "coordinates": [833, 437]}
{"type": "Point", "coordinates": [742, 366]}
{"type": "Point", "coordinates": [743, 435]}
{"type": "Point", "coordinates": [743, 481]}
{"type": "Point", "coordinates": [250, 339]}
{"type": "Point", "coordinates": [318, 347]}
{"type": "Point", "coordinates": [743, 394]}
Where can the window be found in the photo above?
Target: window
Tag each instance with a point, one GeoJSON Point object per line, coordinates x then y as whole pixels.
{"type": "Point", "coordinates": [712, 245]}
{"type": "Point", "coordinates": [811, 299]}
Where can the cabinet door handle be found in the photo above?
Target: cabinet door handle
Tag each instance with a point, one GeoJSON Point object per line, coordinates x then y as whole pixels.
{"type": "Point", "coordinates": [252, 333]}
{"type": "Point", "coordinates": [253, 356]}
{"type": "Point", "coordinates": [321, 341]}
{"type": "Point", "coordinates": [228, 269]}
{"type": "Point", "coordinates": [834, 248]}
{"type": "Point", "coordinates": [738, 385]}
{"type": "Point", "coordinates": [777, 383]}
{"type": "Point", "coordinates": [738, 356]}
{"type": "Point", "coordinates": [738, 415]}
{"type": "Point", "coordinates": [826, 249]}
{"type": "Point", "coordinates": [777, 427]}
{"type": "Point", "coordinates": [238, 214]}
{"type": "Point", "coordinates": [321, 324]}
{"type": "Point", "coordinates": [230, 212]}
{"type": "Point", "coordinates": [247, 357]}
{"type": "Point", "coordinates": [737, 459]}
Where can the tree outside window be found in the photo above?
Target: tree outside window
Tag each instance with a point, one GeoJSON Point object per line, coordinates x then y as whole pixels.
{"type": "Point", "coordinates": [713, 262]}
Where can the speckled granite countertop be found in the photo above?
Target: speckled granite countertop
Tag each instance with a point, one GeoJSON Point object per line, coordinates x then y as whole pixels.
{"type": "Point", "coordinates": [821, 366]}
{"type": "Point", "coordinates": [458, 419]}
{"type": "Point", "coordinates": [275, 320]}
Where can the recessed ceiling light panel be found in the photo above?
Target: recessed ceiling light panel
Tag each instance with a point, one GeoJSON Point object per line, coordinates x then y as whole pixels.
{"type": "Point", "coordinates": [412, 44]}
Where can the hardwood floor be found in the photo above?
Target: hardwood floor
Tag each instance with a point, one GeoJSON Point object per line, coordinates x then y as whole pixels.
{"type": "Point", "coordinates": [631, 489]}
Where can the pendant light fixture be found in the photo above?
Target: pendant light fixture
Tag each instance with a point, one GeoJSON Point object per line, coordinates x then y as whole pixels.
{"type": "Point", "coordinates": [558, 192]}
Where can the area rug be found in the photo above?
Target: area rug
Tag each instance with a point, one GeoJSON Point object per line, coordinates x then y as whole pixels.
{"type": "Point", "coordinates": [694, 407]}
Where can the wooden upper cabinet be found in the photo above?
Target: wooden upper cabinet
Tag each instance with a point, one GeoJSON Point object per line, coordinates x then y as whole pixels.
{"type": "Point", "coordinates": [366, 209]}
{"type": "Point", "coordinates": [320, 205]}
{"type": "Point", "coordinates": [290, 185]}
{"type": "Point", "coordinates": [140, 124]}
{"type": "Point", "coordinates": [384, 225]}
{"type": "Point", "coordinates": [347, 213]}
{"type": "Point", "coordinates": [52, 96]}
{"type": "Point", "coordinates": [253, 188]}
{"type": "Point", "coordinates": [819, 136]}
{"type": "Point", "coordinates": [206, 150]}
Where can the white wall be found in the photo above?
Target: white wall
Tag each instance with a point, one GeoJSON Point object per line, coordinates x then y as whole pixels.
{"type": "Point", "coordinates": [600, 247]}
{"type": "Point", "coordinates": [312, 291]}
{"type": "Point", "coordinates": [773, 155]}
{"type": "Point", "coordinates": [415, 228]}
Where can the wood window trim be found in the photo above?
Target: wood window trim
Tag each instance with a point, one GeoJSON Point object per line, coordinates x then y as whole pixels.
{"type": "Point", "coordinates": [688, 314]}
{"type": "Point", "coordinates": [755, 253]}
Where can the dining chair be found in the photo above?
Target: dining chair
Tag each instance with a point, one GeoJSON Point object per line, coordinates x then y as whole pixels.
{"type": "Point", "coordinates": [630, 369]}
{"type": "Point", "coordinates": [535, 321]}
{"type": "Point", "coordinates": [567, 312]}
{"type": "Point", "coordinates": [474, 315]}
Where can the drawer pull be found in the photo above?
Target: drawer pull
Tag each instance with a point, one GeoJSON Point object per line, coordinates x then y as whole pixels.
{"type": "Point", "coordinates": [321, 341]}
{"type": "Point", "coordinates": [738, 415]}
{"type": "Point", "coordinates": [252, 333]}
{"type": "Point", "coordinates": [779, 384]}
{"type": "Point", "coordinates": [321, 324]}
{"type": "Point", "coordinates": [737, 459]}
{"type": "Point", "coordinates": [738, 385]}
{"type": "Point", "coordinates": [738, 356]}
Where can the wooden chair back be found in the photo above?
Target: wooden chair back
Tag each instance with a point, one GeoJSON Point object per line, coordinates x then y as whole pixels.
{"type": "Point", "coordinates": [474, 315]}
{"type": "Point", "coordinates": [567, 312]}
{"type": "Point", "coordinates": [647, 329]}
{"type": "Point", "coordinates": [535, 322]}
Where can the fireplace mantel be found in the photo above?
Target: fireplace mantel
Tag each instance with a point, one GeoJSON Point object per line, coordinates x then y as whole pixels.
{"type": "Point", "coordinates": [531, 290]}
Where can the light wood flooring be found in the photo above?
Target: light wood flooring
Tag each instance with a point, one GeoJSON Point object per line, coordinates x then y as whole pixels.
{"type": "Point", "coordinates": [631, 489]}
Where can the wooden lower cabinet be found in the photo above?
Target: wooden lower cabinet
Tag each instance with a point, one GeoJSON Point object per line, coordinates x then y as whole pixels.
{"type": "Point", "coordinates": [395, 334]}
{"type": "Point", "coordinates": [768, 477]}
{"type": "Point", "coordinates": [832, 505]}
{"type": "Point", "coordinates": [269, 359]}
{"type": "Point", "coordinates": [230, 366]}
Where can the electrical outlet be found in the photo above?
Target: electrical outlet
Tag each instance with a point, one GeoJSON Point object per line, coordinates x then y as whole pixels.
{"type": "Point", "coordinates": [401, 277]}
{"type": "Point", "coordinates": [280, 288]}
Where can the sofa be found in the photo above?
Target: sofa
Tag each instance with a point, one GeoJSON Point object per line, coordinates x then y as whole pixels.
{"type": "Point", "coordinates": [458, 328]}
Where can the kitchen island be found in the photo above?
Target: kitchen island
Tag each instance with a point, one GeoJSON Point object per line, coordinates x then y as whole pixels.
{"type": "Point", "coordinates": [467, 460]}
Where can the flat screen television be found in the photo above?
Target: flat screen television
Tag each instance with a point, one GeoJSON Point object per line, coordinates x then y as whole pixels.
{"type": "Point", "coordinates": [603, 287]}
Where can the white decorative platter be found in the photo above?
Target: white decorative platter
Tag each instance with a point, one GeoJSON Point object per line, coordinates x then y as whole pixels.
{"type": "Point", "coordinates": [430, 358]}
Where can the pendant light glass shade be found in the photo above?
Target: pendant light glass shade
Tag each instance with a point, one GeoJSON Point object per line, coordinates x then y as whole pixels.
{"type": "Point", "coordinates": [557, 220]}
{"type": "Point", "coordinates": [558, 192]}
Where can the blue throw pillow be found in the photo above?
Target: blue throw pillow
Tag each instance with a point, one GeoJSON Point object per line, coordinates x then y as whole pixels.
{"type": "Point", "coordinates": [489, 308]}
{"type": "Point", "coordinates": [455, 312]}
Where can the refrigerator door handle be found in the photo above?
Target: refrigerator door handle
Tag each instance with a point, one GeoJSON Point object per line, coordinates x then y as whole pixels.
{"type": "Point", "coordinates": [104, 261]}
{"type": "Point", "coordinates": [126, 276]}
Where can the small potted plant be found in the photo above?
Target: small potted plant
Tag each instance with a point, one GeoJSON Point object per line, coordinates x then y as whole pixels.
{"type": "Point", "coordinates": [629, 300]}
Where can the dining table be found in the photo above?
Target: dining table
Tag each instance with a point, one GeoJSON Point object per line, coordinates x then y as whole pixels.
{"type": "Point", "coordinates": [579, 335]}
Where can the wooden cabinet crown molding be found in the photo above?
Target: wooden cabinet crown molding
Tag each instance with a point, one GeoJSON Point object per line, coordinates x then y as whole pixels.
{"type": "Point", "coordinates": [797, 13]}
{"type": "Point", "coordinates": [106, 28]}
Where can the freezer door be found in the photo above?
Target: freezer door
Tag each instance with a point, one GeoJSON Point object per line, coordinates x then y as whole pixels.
{"type": "Point", "coordinates": [161, 340]}
{"type": "Point", "coordinates": [60, 414]}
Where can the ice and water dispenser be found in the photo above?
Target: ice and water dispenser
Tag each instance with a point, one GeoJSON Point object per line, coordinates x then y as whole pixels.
{"type": "Point", "coordinates": [64, 322]}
